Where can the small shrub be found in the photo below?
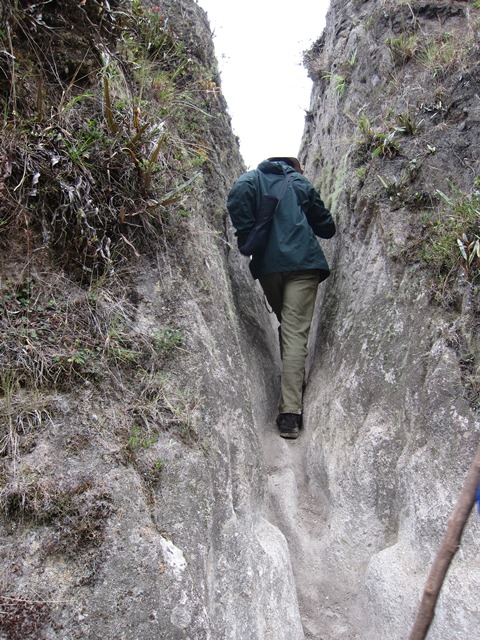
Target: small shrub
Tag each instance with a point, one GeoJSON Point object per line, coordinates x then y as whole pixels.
{"type": "Point", "coordinates": [373, 140]}
{"type": "Point", "coordinates": [453, 238]}
{"type": "Point", "coordinates": [138, 134]}
{"type": "Point", "coordinates": [393, 189]}
{"type": "Point", "coordinates": [403, 47]}
{"type": "Point", "coordinates": [408, 124]}
{"type": "Point", "coordinates": [338, 82]}
{"type": "Point", "coordinates": [165, 339]}
{"type": "Point", "coordinates": [138, 439]}
{"type": "Point", "coordinates": [385, 144]}
{"type": "Point", "coordinates": [54, 333]}
{"type": "Point", "coordinates": [76, 511]}
{"type": "Point", "coordinates": [163, 403]}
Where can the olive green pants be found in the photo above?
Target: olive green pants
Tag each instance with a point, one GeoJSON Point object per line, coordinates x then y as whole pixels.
{"type": "Point", "coordinates": [292, 297]}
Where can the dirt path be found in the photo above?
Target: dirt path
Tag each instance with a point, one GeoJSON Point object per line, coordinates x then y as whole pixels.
{"type": "Point", "coordinates": [299, 511]}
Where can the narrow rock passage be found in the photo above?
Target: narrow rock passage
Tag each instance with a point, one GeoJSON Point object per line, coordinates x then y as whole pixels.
{"type": "Point", "coordinates": [298, 509]}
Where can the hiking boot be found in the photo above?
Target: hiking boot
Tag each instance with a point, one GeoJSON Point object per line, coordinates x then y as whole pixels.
{"type": "Point", "coordinates": [289, 424]}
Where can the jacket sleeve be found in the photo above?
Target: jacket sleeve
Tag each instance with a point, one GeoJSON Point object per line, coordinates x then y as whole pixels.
{"type": "Point", "coordinates": [318, 216]}
{"type": "Point", "coordinates": [241, 204]}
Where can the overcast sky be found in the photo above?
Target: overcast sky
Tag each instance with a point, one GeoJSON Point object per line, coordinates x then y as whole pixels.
{"type": "Point", "coordinates": [259, 46]}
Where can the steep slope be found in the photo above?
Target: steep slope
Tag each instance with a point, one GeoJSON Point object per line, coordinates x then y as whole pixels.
{"type": "Point", "coordinates": [392, 400]}
{"type": "Point", "coordinates": [133, 491]}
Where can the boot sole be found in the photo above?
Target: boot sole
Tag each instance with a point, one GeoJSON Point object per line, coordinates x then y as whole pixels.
{"type": "Point", "coordinates": [289, 434]}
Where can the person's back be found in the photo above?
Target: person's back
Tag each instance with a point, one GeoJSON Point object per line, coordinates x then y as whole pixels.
{"type": "Point", "coordinates": [289, 268]}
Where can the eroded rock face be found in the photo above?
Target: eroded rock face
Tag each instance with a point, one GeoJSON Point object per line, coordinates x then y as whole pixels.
{"type": "Point", "coordinates": [165, 505]}
{"type": "Point", "coordinates": [137, 509]}
{"type": "Point", "coordinates": [391, 427]}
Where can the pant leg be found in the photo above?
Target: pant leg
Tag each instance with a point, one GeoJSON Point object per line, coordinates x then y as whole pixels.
{"type": "Point", "coordinates": [292, 297]}
{"type": "Point", "coordinates": [299, 295]}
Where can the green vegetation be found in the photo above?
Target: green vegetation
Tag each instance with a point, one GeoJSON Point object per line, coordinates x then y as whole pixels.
{"type": "Point", "coordinates": [166, 339]}
{"type": "Point", "coordinates": [440, 54]}
{"type": "Point", "coordinates": [138, 131]}
{"type": "Point", "coordinates": [161, 402]}
{"type": "Point", "coordinates": [448, 243]}
{"type": "Point", "coordinates": [137, 439]}
{"type": "Point", "coordinates": [369, 22]}
{"type": "Point", "coordinates": [393, 189]}
{"type": "Point", "coordinates": [408, 123]}
{"type": "Point", "coordinates": [403, 47]}
{"type": "Point", "coordinates": [55, 333]}
{"type": "Point", "coordinates": [99, 157]}
{"type": "Point", "coordinates": [96, 166]}
{"type": "Point", "coordinates": [340, 79]}
{"type": "Point", "coordinates": [338, 82]}
{"type": "Point", "coordinates": [452, 238]}
{"type": "Point", "coordinates": [383, 142]}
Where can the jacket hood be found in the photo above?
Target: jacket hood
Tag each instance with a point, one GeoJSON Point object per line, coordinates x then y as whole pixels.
{"type": "Point", "coordinates": [278, 167]}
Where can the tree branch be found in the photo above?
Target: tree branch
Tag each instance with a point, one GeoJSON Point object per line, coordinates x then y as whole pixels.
{"type": "Point", "coordinates": [447, 550]}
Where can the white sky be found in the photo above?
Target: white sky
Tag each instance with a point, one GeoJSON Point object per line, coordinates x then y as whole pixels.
{"type": "Point", "coordinates": [259, 46]}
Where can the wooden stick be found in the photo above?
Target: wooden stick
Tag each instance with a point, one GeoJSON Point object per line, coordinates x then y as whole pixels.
{"type": "Point", "coordinates": [447, 550]}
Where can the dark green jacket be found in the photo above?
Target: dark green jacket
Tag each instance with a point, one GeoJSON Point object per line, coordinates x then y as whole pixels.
{"type": "Point", "coordinates": [300, 216]}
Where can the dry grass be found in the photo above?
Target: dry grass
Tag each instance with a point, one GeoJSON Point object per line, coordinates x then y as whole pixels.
{"type": "Point", "coordinates": [99, 164]}
{"type": "Point", "coordinates": [100, 145]}
{"type": "Point", "coordinates": [54, 332]}
{"type": "Point", "coordinates": [75, 510]}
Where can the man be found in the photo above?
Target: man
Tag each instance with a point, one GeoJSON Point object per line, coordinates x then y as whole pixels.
{"type": "Point", "coordinates": [290, 267]}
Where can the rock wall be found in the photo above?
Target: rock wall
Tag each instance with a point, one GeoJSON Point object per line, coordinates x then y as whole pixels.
{"type": "Point", "coordinates": [390, 422]}
{"type": "Point", "coordinates": [162, 503]}
{"type": "Point", "coordinates": [136, 507]}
